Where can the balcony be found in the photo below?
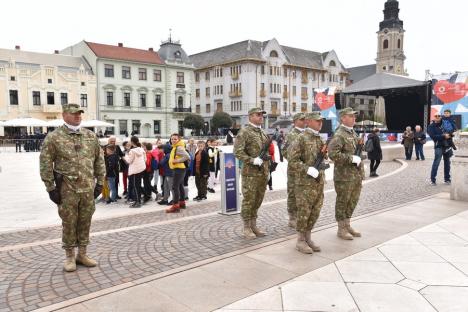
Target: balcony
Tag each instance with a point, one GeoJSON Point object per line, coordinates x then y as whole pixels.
{"type": "Point", "coordinates": [235, 94]}
{"type": "Point", "coordinates": [262, 93]}
{"type": "Point", "coordinates": [304, 79]}
{"type": "Point", "coordinates": [182, 109]}
{"type": "Point", "coordinates": [304, 96]}
{"type": "Point", "coordinates": [124, 108]}
{"type": "Point", "coordinates": [285, 94]}
{"type": "Point", "coordinates": [235, 76]}
{"type": "Point", "coordinates": [180, 86]}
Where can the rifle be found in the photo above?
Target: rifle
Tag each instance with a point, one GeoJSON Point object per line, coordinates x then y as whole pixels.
{"type": "Point", "coordinates": [264, 153]}
{"type": "Point", "coordinates": [360, 144]}
{"type": "Point", "coordinates": [319, 163]}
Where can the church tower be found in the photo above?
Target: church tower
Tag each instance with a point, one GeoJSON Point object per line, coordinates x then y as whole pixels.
{"type": "Point", "coordinates": [390, 55]}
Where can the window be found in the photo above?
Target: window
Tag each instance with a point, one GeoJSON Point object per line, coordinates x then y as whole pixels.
{"type": "Point", "coordinates": [219, 107]}
{"type": "Point", "coordinates": [110, 98]}
{"type": "Point", "coordinates": [385, 44]}
{"type": "Point", "coordinates": [207, 91]}
{"type": "Point", "coordinates": [49, 81]}
{"type": "Point", "coordinates": [271, 70]}
{"type": "Point", "coordinates": [126, 98]}
{"type": "Point", "coordinates": [197, 77]}
{"type": "Point", "coordinates": [142, 99]}
{"type": "Point", "coordinates": [285, 106]}
{"type": "Point", "coordinates": [180, 77]}
{"type": "Point", "coordinates": [332, 64]}
{"type": "Point", "coordinates": [36, 98]}
{"type": "Point", "coordinates": [109, 70]}
{"type": "Point", "coordinates": [126, 72]}
{"type": "Point", "coordinates": [180, 102]}
{"type": "Point", "coordinates": [304, 91]}
{"type": "Point", "coordinates": [207, 75]}
{"type": "Point", "coordinates": [63, 98]}
{"type": "Point", "coordinates": [84, 100]}
{"type": "Point", "coordinates": [262, 105]}
{"type": "Point", "coordinates": [294, 106]}
{"type": "Point", "coordinates": [262, 87]}
{"type": "Point", "coordinates": [110, 130]}
{"type": "Point", "coordinates": [197, 108]}
{"type": "Point", "coordinates": [294, 91]}
{"type": "Point", "coordinates": [285, 72]}
{"type": "Point", "coordinates": [50, 98]}
{"type": "Point", "coordinates": [399, 43]}
{"type": "Point", "coordinates": [303, 107]}
{"type": "Point", "coordinates": [141, 73]}
{"type": "Point", "coordinates": [294, 74]}
{"type": "Point", "coordinates": [83, 83]}
{"type": "Point", "coordinates": [208, 108]}
{"type": "Point", "coordinates": [157, 100]}
{"type": "Point", "coordinates": [361, 101]}
{"type": "Point", "coordinates": [157, 75]}
{"type": "Point", "coordinates": [136, 127]}
{"type": "Point", "coordinates": [273, 53]}
{"type": "Point", "coordinates": [12, 78]}
{"type": "Point", "coordinates": [13, 97]}
{"type": "Point", "coordinates": [197, 93]}
{"type": "Point", "coordinates": [262, 69]}
{"type": "Point", "coordinates": [123, 127]}
{"type": "Point", "coordinates": [156, 126]}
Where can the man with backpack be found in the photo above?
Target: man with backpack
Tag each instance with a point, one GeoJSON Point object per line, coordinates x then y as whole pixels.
{"type": "Point", "coordinates": [374, 151]}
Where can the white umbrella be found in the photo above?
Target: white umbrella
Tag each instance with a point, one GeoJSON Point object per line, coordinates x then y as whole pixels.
{"type": "Point", "coordinates": [369, 123]}
{"type": "Point", "coordinates": [55, 123]}
{"type": "Point", "coordinates": [96, 123]}
{"type": "Point", "coordinates": [25, 122]}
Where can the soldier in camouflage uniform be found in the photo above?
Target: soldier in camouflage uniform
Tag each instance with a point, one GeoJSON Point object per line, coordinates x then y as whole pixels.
{"type": "Point", "coordinates": [73, 171]}
{"type": "Point", "coordinates": [309, 181]}
{"type": "Point", "coordinates": [299, 126]}
{"type": "Point", "coordinates": [348, 174]}
{"type": "Point", "coordinates": [255, 171]}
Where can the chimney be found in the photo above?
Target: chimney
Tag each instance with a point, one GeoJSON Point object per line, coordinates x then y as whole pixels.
{"type": "Point", "coordinates": [17, 47]}
{"type": "Point", "coordinates": [120, 44]}
{"type": "Point", "coordinates": [150, 49]}
{"type": "Point", "coordinates": [56, 52]}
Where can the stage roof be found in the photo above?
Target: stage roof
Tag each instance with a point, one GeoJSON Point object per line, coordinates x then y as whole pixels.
{"type": "Point", "coordinates": [381, 81]}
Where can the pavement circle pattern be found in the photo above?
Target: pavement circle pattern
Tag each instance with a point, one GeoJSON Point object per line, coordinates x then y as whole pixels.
{"type": "Point", "coordinates": [32, 277]}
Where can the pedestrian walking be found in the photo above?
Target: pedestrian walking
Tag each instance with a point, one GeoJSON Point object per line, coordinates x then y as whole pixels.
{"type": "Point", "coordinates": [309, 181]}
{"type": "Point", "coordinates": [299, 127]}
{"type": "Point", "coordinates": [374, 151]}
{"type": "Point", "coordinates": [178, 162]}
{"type": "Point", "coordinates": [73, 171]}
{"type": "Point", "coordinates": [248, 147]}
{"type": "Point", "coordinates": [348, 173]}
{"type": "Point", "coordinates": [442, 149]}
{"type": "Point", "coordinates": [408, 142]}
{"type": "Point", "coordinates": [419, 141]}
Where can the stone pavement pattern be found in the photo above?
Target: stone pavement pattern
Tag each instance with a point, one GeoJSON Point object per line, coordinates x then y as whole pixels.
{"type": "Point", "coordinates": [32, 277]}
{"type": "Point", "coordinates": [425, 270]}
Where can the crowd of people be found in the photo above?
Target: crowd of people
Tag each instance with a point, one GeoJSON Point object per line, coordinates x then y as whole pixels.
{"type": "Point", "coordinates": [162, 168]}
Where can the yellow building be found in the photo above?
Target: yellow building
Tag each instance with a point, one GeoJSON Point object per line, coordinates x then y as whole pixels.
{"type": "Point", "coordinates": [37, 84]}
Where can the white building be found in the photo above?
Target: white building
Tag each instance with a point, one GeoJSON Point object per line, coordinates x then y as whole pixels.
{"type": "Point", "coordinates": [250, 73]}
{"type": "Point", "coordinates": [37, 84]}
{"type": "Point", "coordinates": [135, 89]}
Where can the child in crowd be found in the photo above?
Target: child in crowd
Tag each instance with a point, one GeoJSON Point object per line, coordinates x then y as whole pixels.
{"type": "Point", "coordinates": [112, 171]}
{"type": "Point", "coordinates": [448, 126]}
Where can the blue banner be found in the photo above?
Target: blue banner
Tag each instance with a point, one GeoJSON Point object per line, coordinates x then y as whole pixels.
{"type": "Point", "coordinates": [230, 183]}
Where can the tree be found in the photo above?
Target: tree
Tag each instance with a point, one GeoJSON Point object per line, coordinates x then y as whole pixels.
{"type": "Point", "coordinates": [193, 121]}
{"type": "Point", "coordinates": [221, 120]}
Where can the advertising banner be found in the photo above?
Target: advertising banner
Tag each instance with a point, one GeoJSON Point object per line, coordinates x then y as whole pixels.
{"type": "Point", "coordinates": [230, 201]}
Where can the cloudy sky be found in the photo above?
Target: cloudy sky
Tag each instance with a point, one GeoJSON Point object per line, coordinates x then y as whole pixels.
{"type": "Point", "coordinates": [436, 31]}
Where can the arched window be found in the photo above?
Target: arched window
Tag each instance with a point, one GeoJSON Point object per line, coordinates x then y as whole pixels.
{"type": "Point", "coordinates": [385, 44]}
{"type": "Point", "coordinates": [177, 54]}
{"type": "Point", "coordinates": [399, 43]}
{"type": "Point", "coordinates": [180, 102]}
{"type": "Point", "coordinates": [273, 53]}
{"type": "Point", "coordinates": [332, 64]}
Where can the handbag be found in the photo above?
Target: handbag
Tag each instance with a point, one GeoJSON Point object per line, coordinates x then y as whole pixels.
{"type": "Point", "coordinates": [273, 165]}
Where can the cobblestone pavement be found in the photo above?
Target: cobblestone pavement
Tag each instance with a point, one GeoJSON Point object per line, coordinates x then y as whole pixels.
{"type": "Point", "coordinates": [31, 276]}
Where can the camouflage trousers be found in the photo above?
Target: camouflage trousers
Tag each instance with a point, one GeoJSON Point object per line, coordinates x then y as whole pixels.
{"type": "Point", "coordinates": [75, 211]}
{"type": "Point", "coordinates": [347, 197]}
{"type": "Point", "coordinates": [291, 186]}
{"type": "Point", "coordinates": [309, 201]}
{"type": "Point", "coordinates": [253, 191]}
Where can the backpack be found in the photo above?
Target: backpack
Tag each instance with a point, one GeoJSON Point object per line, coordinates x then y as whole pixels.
{"type": "Point", "coordinates": [369, 147]}
{"type": "Point", "coordinates": [154, 163]}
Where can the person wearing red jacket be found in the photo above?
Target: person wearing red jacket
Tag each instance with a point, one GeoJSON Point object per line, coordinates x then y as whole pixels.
{"type": "Point", "coordinates": [271, 151]}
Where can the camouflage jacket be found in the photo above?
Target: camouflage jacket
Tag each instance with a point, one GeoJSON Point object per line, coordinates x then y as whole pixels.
{"type": "Point", "coordinates": [302, 155]}
{"type": "Point", "coordinates": [75, 155]}
{"type": "Point", "coordinates": [290, 138]}
{"type": "Point", "coordinates": [248, 145]}
{"type": "Point", "coordinates": [341, 150]}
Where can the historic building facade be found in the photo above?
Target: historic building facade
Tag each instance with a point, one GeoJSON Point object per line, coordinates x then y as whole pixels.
{"type": "Point", "coordinates": [36, 84]}
{"type": "Point", "coordinates": [250, 73]}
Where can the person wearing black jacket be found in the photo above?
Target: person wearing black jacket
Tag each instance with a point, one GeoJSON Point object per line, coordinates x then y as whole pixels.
{"type": "Point", "coordinates": [441, 150]}
{"type": "Point", "coordinates": [111, 142]}
{"type": "Point", "coordinates": [112, 170]}
{"type": "Point", "coordinates": [419, 141]}
{"type": "Point", "coordinates": [201, 170]}
{"type": "Point", "coordinates": [375, 155]}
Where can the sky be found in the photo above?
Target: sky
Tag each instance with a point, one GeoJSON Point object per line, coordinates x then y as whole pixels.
{"type": "Point", "coordinates": [436, 36]}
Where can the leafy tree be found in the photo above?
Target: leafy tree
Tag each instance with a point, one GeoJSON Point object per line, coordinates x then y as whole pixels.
{"type": "Point", "coordinates": [193, 121]}
{"type": "Point", "coordinates": [221, 120]}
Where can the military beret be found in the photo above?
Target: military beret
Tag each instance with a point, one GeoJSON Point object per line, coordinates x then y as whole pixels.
{"type": "Point", "coordinates": [298, 116]}
{"type": "Point", "coordinates": [314, 116]}
{"type": "Point", "coordinates": [256, 110]}
{"type": "Point", "coordinates": [347, 111]}
{"type": "Point", "coordinates": [71, 108]}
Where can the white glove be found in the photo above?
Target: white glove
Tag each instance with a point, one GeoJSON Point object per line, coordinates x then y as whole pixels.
{"type": "Point", "coordinates": [257, 161]}
{"type": "Point", "coordinates": [313, 172]}
{"type": "Point", "coordinates": [356, 160]}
